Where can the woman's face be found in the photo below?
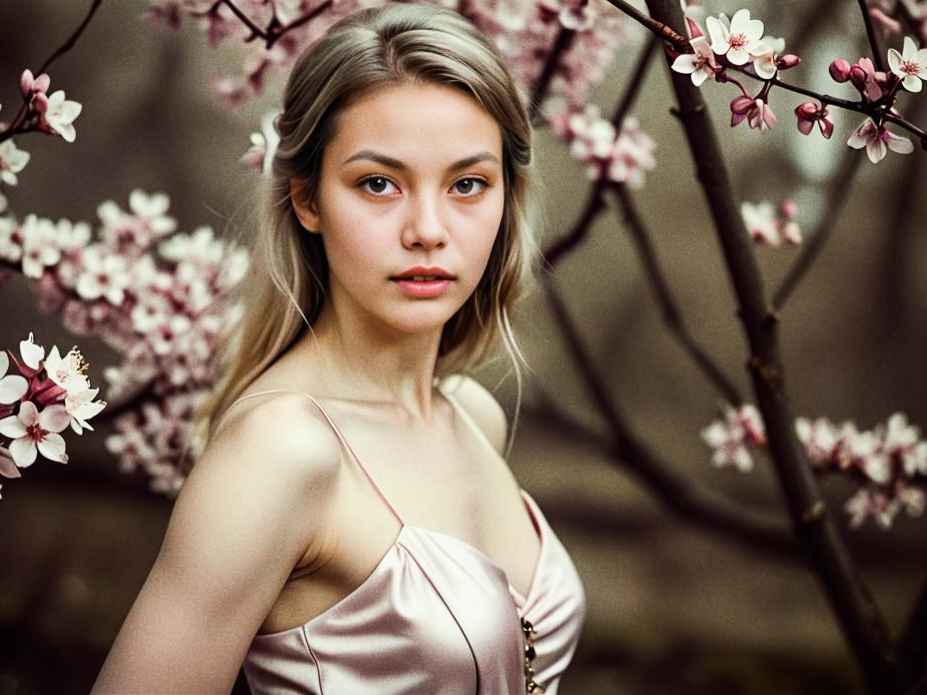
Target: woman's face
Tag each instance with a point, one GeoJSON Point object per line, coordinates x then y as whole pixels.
{"type": "Point", "coordinates": [409, 203]}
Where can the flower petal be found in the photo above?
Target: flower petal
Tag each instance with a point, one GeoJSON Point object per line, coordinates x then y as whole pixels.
{"type": "Point", "coordinates": [4, 362]}
{"type": "Point", "coordinates": [28, 413]}
{"type": "Point", "coordinates": [12, 388]}
{"type": "Point", "coordinates": [685, 63]}
{"type": "Point", "coordinates": [912, 83]}
{"type": "Point", "coordinates": [12, 427]}
{"type": "Point", "coordinates": [52, 448]}
{"type": "Point", "coordinates": [8, 467]}
{"type": "Point", "coordinates": [32, 354]}
{"type": "Point", "coordinates": [718, 34]}
{"type": "Point", "coordinates": [54, 418]}
{"type": "Point", "coordinates": [909, 48]}
{"type": "Point", "coordinates": [23, 451]}
{"type": "Point", "coordinates": [898, 144]}
{"type": "Point", "coordinates": [894, 62]}
{"type": "Point", "coordinates": [876, 150]}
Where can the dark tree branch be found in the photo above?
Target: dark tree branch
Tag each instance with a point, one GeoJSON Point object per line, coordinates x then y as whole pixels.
{"type": "Point", "coordinates": [69, 44]}
{"type": "Point", "coordinates": [539, 90]}
{"type": "Point", "coordinates": [659, 29]}
{"type": "Point", "coordinates": [877, 56]}
{"type": "Point", "coordinates": [679, 494]}
{"type": "Point", "coordinates": [661, 291]}
{"type": "Point", "coordinates": [859, 617]}
{"type": "Point", "coordinates": [635, 82]}
{"type": "Point", "coordinates": [840, 190]}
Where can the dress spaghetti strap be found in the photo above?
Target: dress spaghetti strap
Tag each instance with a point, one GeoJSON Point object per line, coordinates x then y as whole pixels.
{"type": "Point", "coordinates": [341, 438]}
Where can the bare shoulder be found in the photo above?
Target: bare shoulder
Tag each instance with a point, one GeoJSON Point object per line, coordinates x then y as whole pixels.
{"type": "Point", "coordinates": [481, 406]}
{"type": "Point", "coordinates": [277, 434]}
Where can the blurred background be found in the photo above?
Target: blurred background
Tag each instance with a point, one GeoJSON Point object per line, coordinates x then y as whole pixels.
{"type": "Point", "coordinates": [672, 608]}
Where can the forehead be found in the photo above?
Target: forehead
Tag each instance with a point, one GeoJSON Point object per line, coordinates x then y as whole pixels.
{"type": "Point", "coordinates": [412, 119]}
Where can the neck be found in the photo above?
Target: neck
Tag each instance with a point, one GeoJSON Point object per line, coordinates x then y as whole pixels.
{"type": "Point", "coordinates": [359, 362]}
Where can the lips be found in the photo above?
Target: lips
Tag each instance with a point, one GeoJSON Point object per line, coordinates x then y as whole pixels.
{"type": "Point", "coordinates": [423, 274]}
{"type": "Point", "coordinates": [422, 283]}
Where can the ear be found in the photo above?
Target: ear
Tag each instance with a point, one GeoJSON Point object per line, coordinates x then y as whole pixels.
{"type": "Point", "coordinates": [304, 208]}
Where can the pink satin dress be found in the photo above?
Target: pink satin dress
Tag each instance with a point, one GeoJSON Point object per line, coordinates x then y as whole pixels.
{"type": "Point", "coordinates": [435, 616]}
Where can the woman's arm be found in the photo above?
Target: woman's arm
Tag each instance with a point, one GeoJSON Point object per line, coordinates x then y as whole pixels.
{"type": "Point", "coordinates": [246, 516]}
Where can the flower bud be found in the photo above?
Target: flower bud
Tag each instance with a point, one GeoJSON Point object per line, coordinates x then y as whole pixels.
{"type": "Point", "coordinates": [789, 60]}
{"type": "Point", "coordinates": [41, 84]}
{"type": "Point", "coordinates": [840, 70]}
{"type": "Point", "coordinates": [857, 75]}
{"type": "Point", "coordinates": [39, 103]}
{"type": "Point", "coordinates": [25, 83]}
{"type": "Point", "coordinates": [789, 208]}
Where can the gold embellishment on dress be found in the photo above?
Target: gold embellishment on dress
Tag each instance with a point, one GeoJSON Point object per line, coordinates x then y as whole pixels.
{"type": "Point", "coordinates": [528, 631]}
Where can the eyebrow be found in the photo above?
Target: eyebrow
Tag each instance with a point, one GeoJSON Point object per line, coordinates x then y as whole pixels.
{"type": "Point", "coordinates": [401, 166]}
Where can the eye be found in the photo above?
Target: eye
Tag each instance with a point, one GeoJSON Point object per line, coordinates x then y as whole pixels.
{"type": "Point", "coordinates": [378, 185]}
{"type": "Point", "coordinates": [470, 186]}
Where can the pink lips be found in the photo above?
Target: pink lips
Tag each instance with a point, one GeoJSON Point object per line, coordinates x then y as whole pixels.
{"type": "Point", "coordinates": [423, 282]}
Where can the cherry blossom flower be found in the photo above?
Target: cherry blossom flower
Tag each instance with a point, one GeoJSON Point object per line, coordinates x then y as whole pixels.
{"type": "Point", "coordinates": [740, 41]}
{"type": "Point", "coordinates": [104, 274]}
{"type": "Point", "coordinates": [701, 65]}
{"type": "Point", "coordinates": [757, 113]}
{"type": "Point", "coordinates": [29, 85]}
{"type": "Point", "coordinates": [867, 80]}
{"type": "Point", "coordinates": [12, 386]}
{"type": "Point", "coordinates": [11, 240]}
{"type": "Point", "coordinates": [729, 438]}
{"type": "Point", "coordinates": [33, 432]}
{"type": "Point", "coordinates": [810, 113]}
{"type": "Point", "coordinates": [764, 64]}
{"type": "Point", "coordinates": [910, 65]}
{"type": "Point", "coordinates": [39, 248]}
{"type": "Point", "coordinates": [81, 407]}
{"type": "Point", "coordinates": [68, 371]}
{"type": "Point", "coordinates": [632, 154]}
{"type": "Point", "coordinates": [877, 141]}
{"type": "Point", "coordinates": [129, 234]}
{"type": "Point", "coordinates": [12, 161]}
{"type": "Point", "coordinates": [60, 115]}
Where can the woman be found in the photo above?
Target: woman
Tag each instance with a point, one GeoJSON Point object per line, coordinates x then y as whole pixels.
{"type": "Point", "coordinates": [351, 526]}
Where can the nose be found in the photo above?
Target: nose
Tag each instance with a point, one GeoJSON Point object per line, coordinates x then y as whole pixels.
{"type": "Point", "coordinates": [426, 226]}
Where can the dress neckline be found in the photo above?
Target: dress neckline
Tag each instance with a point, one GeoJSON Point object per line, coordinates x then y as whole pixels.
{"type": "Point", "coordinates": [521, 601]}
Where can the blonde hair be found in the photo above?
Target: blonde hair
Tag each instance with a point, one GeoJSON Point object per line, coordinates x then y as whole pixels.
{"type": "Point", "coordinates": [371, 49]}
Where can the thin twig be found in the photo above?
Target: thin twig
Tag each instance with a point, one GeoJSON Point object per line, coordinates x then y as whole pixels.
{"type": "Point", "coordinates": [840, 190]}
{"type": "Point", "coordinates": [635, 82]}
{"type": "Point", "coordinates": [877, 57]}
{"type": "Point", "coordinates": [678, 493]}
{"type": "Point", "coordinates": [539, 90]}
{"type": "Point", "coordinates": [558, 248]}
{"type": "Point", "coordinates": [661, 30]}
{"type": "Point", "coordinates": [672, 317]}
{"type": "Point", "coordinates": [860, 619]}
{"type": "Point", "coordinates": [69, 44]}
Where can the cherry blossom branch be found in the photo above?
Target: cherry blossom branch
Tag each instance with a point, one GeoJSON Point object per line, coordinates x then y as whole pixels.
{"type": "Point", "coordinates": [595, 203]}
{"type": "Point", "coordinates": [16, 126]}
{"type": "Point", "coordinates": [873, 39]}
{"type": "Point", "coordinates": [812, 248]}
{"type": "Point", "coordinates": [679, 494]}
{"type": "Point", "coordinates": [634, 83]}
{"type": "Point", "coordinates": [561, 45]}
{"type": "Point", "coordinates": [69, 44]}
{"type": "Point", "coordinates": [860, 619]}
{"type": "Point", "coordinates": [274, 30]}
{"type": "Point", "coordinates": [659, 29]}
{"type": "Point", "coordinates": [672, 317]}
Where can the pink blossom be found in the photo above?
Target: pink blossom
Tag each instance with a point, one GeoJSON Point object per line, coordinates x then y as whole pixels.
{"type": "Point", "coordinates": [739, 42]}
{"type": "Point", "coordinates": [810, 113]}
{"type": "Point", "coordinates": [40, 249]}
{"type": "Point", "coordinates": [758, 114]}
{"type": "Point", "coordinates": [12, 161]}
{"type": "Point", "coordinates": [840, 70]}
{"type": "Point", "coordinates": [632, 154]}
{"type": "Point", "coordinates": [730, 437]}
{"type": "Point", "coordinates": [60, 115]}
{"type": "Point", "coordinates": [11, 240]}
{"type": "Point", "coordinates": [910, 66]}
{"type": "Point", "coordinates": [34, 433]}
{"type": "Point", "coordinates": [877, 141]}
{"type": "Point", "coordinates": [701, 65]}
{"type": "Point", "coordinates": [30, 85]}
{"type": "Point", "coordinates": [103, 274]}
{"type": "Point", "coordinates": [577, 15]}
{"type": "Point", "coordinates": [865, 78]}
